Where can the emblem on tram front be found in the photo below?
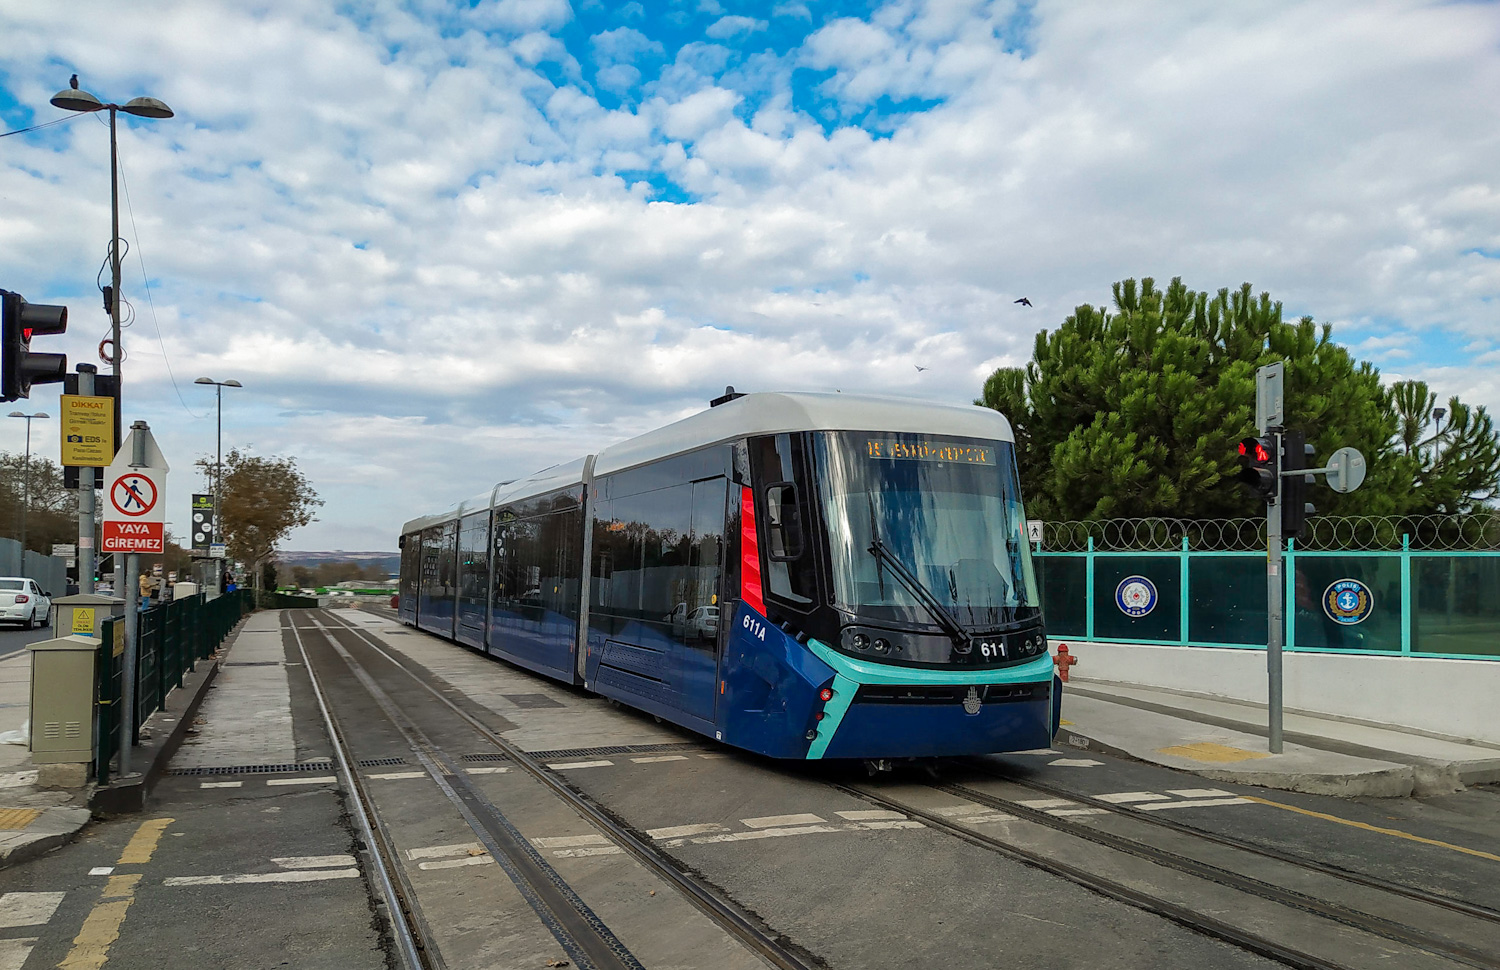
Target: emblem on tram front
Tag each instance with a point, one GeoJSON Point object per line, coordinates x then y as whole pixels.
{"type": "Point", "coordinates": [1135, 596]}
{"type": "Point", "coordinates": [1348, 601]}
{"type": "Point", "coordinates": [972, 703]}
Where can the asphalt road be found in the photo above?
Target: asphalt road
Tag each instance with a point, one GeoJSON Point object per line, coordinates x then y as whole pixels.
{"type": "Point", "coordinates": [13, 639]}
{"type": "Point", "coordinates": [797, 847]}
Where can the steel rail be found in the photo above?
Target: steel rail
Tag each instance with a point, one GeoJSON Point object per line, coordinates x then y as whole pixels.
{"type": "Point", "coordinates": [1182, 915]}
{"type": "Point", "coordinates": [1357, 919]}
{"type": "Point", "coordinates": [590, 943]}
{"type": "Point", "coordinates": [709, 901]}
{"type": "Point", "coordinates": [407, 926]}
{"type": "Point", "coordinates": [1324, 868]}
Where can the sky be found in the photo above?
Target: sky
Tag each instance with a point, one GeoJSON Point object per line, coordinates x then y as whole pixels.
{"type": "Point", "coordinates": [447, 244]}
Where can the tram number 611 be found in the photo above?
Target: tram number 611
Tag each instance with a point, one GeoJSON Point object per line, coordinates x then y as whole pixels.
{"type": "Point", "coordinates": [988, 649]}
{"type": "Point", "coordinates": [755, 627]}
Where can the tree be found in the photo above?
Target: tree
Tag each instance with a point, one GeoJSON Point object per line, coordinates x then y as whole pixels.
{"type": "Point", "coordinates": [52, 514]}
{"type": "Point", "coordinates": [1137, 412]}
{"type": "Point", "coordinates": [263, 500]}
{"type": "Point", "coordinates": [1457, 467]}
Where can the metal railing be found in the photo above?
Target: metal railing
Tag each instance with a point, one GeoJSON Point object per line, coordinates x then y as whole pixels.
{"type": "Point", "coordinates": [173, 637]}
{"type": "Point", "coordinates": [1479, 531]}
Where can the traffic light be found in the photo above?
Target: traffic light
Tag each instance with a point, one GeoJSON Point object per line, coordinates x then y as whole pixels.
{"type": "Point", "coordinates": [1295, 508]}
{"type": "Point", "coordinates": [19, 366]}
{"type": "Point", "coordinates": [1258, 465]}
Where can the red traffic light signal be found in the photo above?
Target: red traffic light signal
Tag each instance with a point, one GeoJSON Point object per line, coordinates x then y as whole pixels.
{"type": "Point", "coordinates": [1258, 460]}
{"type": "Point", "coordinates": [19, 366]}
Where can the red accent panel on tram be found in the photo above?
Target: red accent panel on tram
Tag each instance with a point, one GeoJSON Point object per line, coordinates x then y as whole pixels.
{"type": "Point", "coordinates": [751, 590]}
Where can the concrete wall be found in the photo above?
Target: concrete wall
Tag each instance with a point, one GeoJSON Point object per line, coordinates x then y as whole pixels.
{"type": "Point", "coordinates": [1456, 698]}
{"type": "Point", "coordinates": [50, 572]}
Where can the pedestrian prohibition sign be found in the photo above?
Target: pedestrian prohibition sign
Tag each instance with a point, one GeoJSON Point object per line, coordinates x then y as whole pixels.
{"type": "Point", "coordinates": [133, 494]}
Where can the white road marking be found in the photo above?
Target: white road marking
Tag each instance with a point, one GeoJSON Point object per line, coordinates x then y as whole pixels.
{"type": "Point", "coordinates": [301, 875]}
{"type": "Point", "coordinates": [1124, 797]}
{"type": "Point", "coordinates": [473, 860]}
{"type": "Point", "coordinates": [1205, 803]}
{"type": "Point", "coordinates": [1085, 811]}
{"type": "Point", "coordinates": [952, 811]}
{"type": "Point", "coordinates": [780, 821]}
{"type": "Point", "coordinates": [18, 779]}
{"type": "Point", "coordinates": [1047, 803]}
{"type": "Point", "coordinates": [714, 756]}
{"type": "Point", "coordinates": [869, 816]}
{"type": "Point", "coordinates": [320, 780]}
{"type": "Point", "coordinates": [221, 784]}
{"type": "Point", "coordinates": [658, 758]}
{"type": "Point", "coordinates": [28, 909]}
{"type": "Point", "coordinates": [682, 831]}
{"type": "Point", "coordinates": [314, 861]}
{"type": "Point", "coordinates": [766, 834]}
{"type": "Point", "coordinates": [438, 851]}
{"type": "Point", "coordinates": [395, 775]}
{"type": "Point", "coordinates": [13, 953]}
{"type": "Point", "coordinates": [580, 764]}
{"type": "Point", "coordinates": [101, 870]}
{"type": "Point", "coordinates": [878, 824]}
{"type": "Point", "coordinates": [1199, 793]}
{"type": "Point", "coordinates": [579, 853]}
{"type": "Point", "coordinates": [485, 771]}
{"type": "Point", "coordinates": [1074, 763]}
{"type": "Point", "coordinates": [570, 841]}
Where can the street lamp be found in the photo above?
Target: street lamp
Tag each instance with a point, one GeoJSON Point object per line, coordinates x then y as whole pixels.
{"type": "Point", "coordinates": [72, 99]}
{"type": "Point", "coordinates": [218, 449]}
{"type": "Point", "coordinates": [26, 478]}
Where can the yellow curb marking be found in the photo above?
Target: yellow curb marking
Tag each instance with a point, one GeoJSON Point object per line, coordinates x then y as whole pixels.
{"type": "Point", "coordinates": [15, 819]}
{"type": "Point", "coordinates": [138, 850]}
{"type": "Point", "coordinates": [1208, 751]}
{"type": "Point", "coordinates": [102, 927]}
{"type": "Point", "coordinates": [1375, 828]}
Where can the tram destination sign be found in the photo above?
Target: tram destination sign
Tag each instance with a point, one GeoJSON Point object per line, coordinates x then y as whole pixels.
{"type": "Point", "coordinates": [964, 454]}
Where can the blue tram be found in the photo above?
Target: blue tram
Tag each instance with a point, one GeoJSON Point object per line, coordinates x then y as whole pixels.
{"type": "Point", "coordinates": [800, 575]}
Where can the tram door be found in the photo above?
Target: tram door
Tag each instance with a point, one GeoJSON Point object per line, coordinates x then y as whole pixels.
{"type": "Point", "coordinates": [703, 597]}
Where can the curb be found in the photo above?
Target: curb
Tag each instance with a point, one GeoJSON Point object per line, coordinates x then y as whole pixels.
{"type": "Point", "coordinates": [1397, 782]}
{"type": "Point", "coordinates": [41, 845]}
{"type": "Point", "coordinates": [127, 795]}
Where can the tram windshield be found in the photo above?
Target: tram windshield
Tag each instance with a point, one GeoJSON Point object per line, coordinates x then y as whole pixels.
{"type": "Point", "coordinates": [947, 509]}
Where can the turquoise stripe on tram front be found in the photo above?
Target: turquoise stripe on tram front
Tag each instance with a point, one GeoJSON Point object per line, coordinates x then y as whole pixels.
{"type": "Point", "coordinates": [849, 673]}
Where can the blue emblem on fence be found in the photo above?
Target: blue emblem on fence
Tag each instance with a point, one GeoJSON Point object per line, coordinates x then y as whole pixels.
{"type": "Point", "coordinates": [1348, 601]}
{"type": "Point", "coordinates": [1136, 596]}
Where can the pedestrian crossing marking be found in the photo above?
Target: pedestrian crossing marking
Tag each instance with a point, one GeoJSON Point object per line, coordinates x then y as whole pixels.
{"type": "Point", "coordinates": [28, 909]}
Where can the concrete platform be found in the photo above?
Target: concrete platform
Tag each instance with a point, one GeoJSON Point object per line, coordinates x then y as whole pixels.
{"type": "Point", "coordinates": [1225, 740]}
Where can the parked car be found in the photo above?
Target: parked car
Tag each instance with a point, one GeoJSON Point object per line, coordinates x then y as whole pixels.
{"type": "Point", "coordinates": [22, 601]}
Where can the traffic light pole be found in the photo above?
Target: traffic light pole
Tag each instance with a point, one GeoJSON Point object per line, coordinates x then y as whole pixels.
{"type": "Point", "coordinates": [85, 551]}
{"type": "Point", "coordinates": [1275, 608]}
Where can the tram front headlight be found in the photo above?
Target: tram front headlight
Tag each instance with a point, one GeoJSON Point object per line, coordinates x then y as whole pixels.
{"type": "Point", "coordinates": [860, 641]}
{"type": "Point", "coordinates": [882, 645]}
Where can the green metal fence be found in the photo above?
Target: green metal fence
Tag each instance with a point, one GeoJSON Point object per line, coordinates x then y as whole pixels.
{"type": "Point", "coordinates": [1402, 602]}
{"type": "Point", "coordinates": [172, 638]}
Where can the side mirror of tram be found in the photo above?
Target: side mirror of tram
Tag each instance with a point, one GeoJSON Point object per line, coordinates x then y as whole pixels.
{"type": "Point", "coordinates": [783, 522]}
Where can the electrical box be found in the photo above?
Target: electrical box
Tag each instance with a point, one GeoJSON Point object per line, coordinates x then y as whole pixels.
{"type": "Point", "coordinates": [84, 613]}
{"type": "Point", "coordinates": [62, 700]}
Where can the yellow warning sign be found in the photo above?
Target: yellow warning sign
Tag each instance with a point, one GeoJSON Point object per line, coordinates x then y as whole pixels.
{"type": "Point", "coordinates": [83, 620]}
{"type": "Point", "coordinates": [87, 430]}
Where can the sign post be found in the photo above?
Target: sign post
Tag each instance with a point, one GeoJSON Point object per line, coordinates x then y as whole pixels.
{"type": "Point", "coordinates": [135, 514]}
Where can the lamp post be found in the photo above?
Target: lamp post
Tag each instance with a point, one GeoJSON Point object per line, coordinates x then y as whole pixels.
{"type": "Point", "coordinates": [218, 532]}
{"type": "Point", "coordinates": [26, 479]}
{"type": "Point", "coordinates": [73, 99]}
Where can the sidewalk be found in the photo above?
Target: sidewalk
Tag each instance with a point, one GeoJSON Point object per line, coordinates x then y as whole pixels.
{"type": "Point", "coordinates": [32, 820]}
{"type": "Point", "coordinates": [1225, 740]}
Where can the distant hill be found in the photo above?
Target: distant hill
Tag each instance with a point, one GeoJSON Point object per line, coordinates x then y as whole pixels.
{"type": "Point", "coordinates": [389, 561]}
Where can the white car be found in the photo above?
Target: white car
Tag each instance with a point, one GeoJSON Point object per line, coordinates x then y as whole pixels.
{"type": "Point", "coordinates": [22, 601]}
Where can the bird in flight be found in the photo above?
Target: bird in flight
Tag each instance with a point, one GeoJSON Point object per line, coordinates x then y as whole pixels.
{"type": "Point", "coordinates": [1023, 301]}
{"type": "Point", "coordinates": [73, 82]}
{"type": "Point", "coordinates": [919, 368]}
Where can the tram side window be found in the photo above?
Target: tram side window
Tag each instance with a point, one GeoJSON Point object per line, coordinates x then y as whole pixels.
{"type": "Point", "coordinates": [448, 559]}
{"type": "Point", "coordinates": [778, 462]}
{"type": "Point", "coordinates": [648, 546]}
{"type": "Point", "coordinates": [473, 558]}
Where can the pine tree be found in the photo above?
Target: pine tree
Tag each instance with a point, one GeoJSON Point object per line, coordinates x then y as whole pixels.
{"type": "Point", "coordinates": [1137, 412]}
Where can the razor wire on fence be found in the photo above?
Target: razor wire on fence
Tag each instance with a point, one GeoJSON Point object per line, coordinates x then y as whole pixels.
{"type": "Point", "coordinates": [1473, 532]}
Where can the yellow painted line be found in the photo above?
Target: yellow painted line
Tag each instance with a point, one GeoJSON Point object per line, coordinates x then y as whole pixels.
{"type": "Point", "coordinates": [1065, 722]}
{"type": "Point", "coordinates": [1397, 833]}
{"type": "Point", "coordinates": [102, 927]}
{"type": "Point", "coordinates": [138, 850]}
{"type": "Point", "coordinates": [15, 819]}
{"type": "Point", "coordinates": [1211, 752]}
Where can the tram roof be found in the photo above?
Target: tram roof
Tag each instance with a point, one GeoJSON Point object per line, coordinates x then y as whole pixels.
{"type": "Point", "coordinates": [786, 411]}
{"type": "Point", "coordinates": [770, 412]}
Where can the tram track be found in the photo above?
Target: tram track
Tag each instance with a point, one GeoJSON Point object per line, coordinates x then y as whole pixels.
{"type": "Point", "coordinates": [587, 939]}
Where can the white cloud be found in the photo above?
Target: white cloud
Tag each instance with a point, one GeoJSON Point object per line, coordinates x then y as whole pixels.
{"type": "Point", "coordinates": [433, 259]}
{"type": "Point", "coordinates": [734, 26]}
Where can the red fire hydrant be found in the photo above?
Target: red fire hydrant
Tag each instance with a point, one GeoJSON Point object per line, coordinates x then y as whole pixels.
{"type": "Point", "coordinates": [1063, 660]}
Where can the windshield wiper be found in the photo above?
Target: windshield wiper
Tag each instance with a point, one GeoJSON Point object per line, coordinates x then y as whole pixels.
{"type": "Point", "coordinates": [939, 612]}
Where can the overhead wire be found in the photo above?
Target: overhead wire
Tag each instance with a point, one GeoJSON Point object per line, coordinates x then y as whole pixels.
{"type": "Point", "coordinates": [45, 124]}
